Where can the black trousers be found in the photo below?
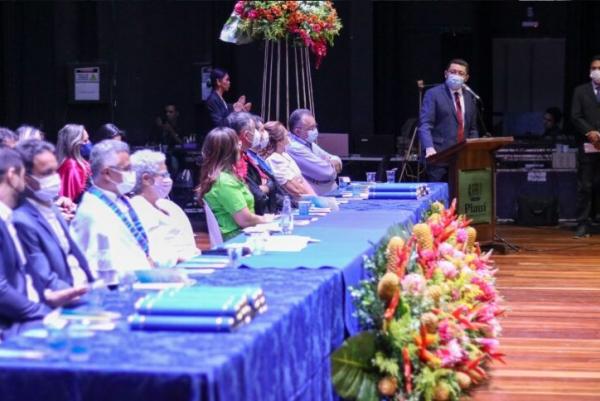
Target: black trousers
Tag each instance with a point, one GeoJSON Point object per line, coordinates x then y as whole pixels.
{"type": "Point", "coordinates": [588, 186]}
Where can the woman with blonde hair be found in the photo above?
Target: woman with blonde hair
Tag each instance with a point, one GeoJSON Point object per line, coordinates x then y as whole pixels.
{"type": "Point", "coordinates": [286, 171]}
{"type": "Point", "coordinates": [73, 169]}
{"type": "Point", "coordinates": [223, 191]}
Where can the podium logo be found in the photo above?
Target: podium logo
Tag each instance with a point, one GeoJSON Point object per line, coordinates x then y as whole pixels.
{"type": "Point", "coordinates": [474, 191]}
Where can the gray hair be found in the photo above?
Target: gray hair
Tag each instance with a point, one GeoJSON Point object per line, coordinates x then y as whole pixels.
{"type": "Point", "coordinates": [145, 161]}
{"type": "Point", "coordinates": [104, 154]}
{"type": "Point", "coordinates": [30, 148]}
{"type": "Point", "coordinates": [70, 138]}
{"type": "Point", "coordinates": [239, 121]}
{"type": "Point", "coordinates": [7, 135]}
{"type": "Point", "coordinates": [296, 117]}
{"type": "Point", "coordinates": [26, 132]}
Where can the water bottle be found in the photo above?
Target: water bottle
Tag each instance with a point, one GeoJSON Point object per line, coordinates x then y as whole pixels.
{"type": "Point", "coordinates": [287, 218]}
{"type": "Point", "coordinates": [106, 271]}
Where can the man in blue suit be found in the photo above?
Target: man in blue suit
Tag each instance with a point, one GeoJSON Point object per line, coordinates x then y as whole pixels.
{"type": "Point", "coordinates": [448, 116]}
{"type": "Point", "coordinates": [17, 304]}
{"type": "Point", "coordinates": [53, 258]}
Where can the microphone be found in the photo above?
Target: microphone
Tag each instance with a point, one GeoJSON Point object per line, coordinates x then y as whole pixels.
{"type": "Point", "coordinates": [471, 91]}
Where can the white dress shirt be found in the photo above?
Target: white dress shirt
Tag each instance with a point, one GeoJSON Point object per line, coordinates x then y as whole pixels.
{"type": "Point", "coordinates": [93, 219]}
{"type": "Point", "coordinates": [170, 234]}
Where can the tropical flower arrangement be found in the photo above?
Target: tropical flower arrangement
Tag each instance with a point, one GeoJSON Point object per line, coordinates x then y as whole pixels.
{"type": "Point", "coordinates": [313, 24]}
{"type": "Point", "coordinates": [430, 313]}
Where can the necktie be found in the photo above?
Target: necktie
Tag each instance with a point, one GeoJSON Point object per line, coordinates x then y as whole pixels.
{"type": "Point", "coordinates": [460, 135]}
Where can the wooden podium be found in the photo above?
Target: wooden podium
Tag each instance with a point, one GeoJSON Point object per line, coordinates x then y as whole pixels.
{"type": "Point", "coordinates": [472, 181]}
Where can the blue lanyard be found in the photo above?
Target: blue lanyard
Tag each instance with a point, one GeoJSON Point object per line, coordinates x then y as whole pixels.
{"type": "Point", "coordinates": [136, 228]}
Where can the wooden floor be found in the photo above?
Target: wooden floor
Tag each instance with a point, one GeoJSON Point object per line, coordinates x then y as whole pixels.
{"type": "Point", "coordinates": [552, 329]}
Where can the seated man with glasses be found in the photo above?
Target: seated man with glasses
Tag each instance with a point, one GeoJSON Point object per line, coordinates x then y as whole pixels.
{"type": "Point", "coordinates": [448, 116]}
{"type": "Point", "coordinates": [106, 226]}
{"type": "Point", "coordinates": [170, 233]}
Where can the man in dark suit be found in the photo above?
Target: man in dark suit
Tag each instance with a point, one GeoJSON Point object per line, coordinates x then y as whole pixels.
{"type": "Point", "coordinates": [18, 300]}
{"type": "Point", "coordinates": [585, 114]}
{"type": "Point", "coordinates": [53, 258]}
{"type": "Point", "coordinates": [16, 304]}
{"type": "Point", "coordinates": [448, 116]}
{"type": "Point", "coordinates": [268, 195]}
{"type": "Point", "coordinates": [218, 109]}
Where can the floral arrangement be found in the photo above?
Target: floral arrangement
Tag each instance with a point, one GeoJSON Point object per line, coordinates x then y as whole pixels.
{"type": "Point", "coordinates": [313, 24]}
{"type": "Point", "coordinates": [430, 313]}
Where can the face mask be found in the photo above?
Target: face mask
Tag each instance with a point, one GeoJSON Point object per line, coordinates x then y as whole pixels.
{"type": "Point", "coordinates": [163, 186]}
{"type": "Point", "coordinates": [264, 140]}
{"type": "Point", "coordinates": [454, 81]}
{"type": "Point", "coordinates": [49, 188]}
{"type": "Point", "coordinates": [255, 139]}
{"type": "Point", "coordinates": [313, 134]}
{"type": "Point", "coordinates": [128, 182]}
{"type": "Point", "coordinates": [595, 75]}
{"type": "Point", "coordinates": [85, 150]}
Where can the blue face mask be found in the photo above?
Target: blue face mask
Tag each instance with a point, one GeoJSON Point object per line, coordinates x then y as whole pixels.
{"type": "Point", "coordinates": [85, 150]}
{"type": "Point", "coordinates": [313, 134]}
{"type": "Point", "coordinates": [454, 81]}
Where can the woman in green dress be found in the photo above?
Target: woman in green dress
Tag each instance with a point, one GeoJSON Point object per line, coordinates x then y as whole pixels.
{"type": "Point", "coordinates": [225, 193]}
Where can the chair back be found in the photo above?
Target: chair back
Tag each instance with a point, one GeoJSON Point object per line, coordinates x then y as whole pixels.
{"type": "Point", "coordinates": [214, 232]}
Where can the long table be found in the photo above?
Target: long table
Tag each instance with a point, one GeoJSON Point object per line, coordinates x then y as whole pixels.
{"type": "Point", "coordinates": [282, 355]}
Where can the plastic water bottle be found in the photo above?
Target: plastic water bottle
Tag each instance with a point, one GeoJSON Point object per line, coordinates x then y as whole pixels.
{"type": "Point", "coordinates": [106, 271]}
{"type": "Point", "coordinates": [287, 218]}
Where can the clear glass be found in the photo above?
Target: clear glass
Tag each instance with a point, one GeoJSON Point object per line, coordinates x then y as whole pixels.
{"type": "Point", "coordinates": [391, 176]}
{"type": "Point", "coordinates": [304, 208]}
{"type": "Point", "coordinates": [371, 177]}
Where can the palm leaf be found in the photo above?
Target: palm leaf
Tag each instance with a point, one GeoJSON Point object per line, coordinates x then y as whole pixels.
{"type": "Point", "coordinates": [353, 374]}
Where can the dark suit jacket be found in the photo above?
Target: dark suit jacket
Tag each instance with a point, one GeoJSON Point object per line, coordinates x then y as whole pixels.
{"type": "Point", "coordinates": [585, 111]}
{"type": "Point", "coordinates": [217, 110]}
{"type": "Point", "coordinates": [264, 203]}
{"type": "Point", "coordinates": [15, 307]}
{"type": "Point", "coordinates": [438, 124]}
{"type": "Point", "coordinates": [45, 258]}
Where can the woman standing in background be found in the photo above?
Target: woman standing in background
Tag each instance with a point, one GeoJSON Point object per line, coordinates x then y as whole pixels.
{"type": "Point", "coordinates": [73, 169]}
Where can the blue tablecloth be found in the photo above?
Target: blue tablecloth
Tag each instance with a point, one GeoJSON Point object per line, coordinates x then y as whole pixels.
{"type": "Point", "coordinates": [281, 355]}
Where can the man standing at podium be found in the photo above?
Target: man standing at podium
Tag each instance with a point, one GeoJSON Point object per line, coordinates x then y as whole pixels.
{"type": "Point", "coordinates": [448, 116]}
{"type": "Point", "coordinates": [585, 115]}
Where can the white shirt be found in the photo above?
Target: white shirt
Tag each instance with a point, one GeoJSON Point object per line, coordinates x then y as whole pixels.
{"type": "Point", "coordinates": [284, 167]}
{"type": "Point", "coordinates": [93, 219]}
{"type": "Point", "coordinates": [170, 234]}
{"type": "Point", "coordinates": [6, 216]}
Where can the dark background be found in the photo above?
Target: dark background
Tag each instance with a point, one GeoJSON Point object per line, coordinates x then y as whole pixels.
{"type": "Point", "coordinates": [366, 84]}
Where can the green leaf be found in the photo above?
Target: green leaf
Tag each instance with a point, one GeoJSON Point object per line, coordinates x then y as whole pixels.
{"type": "Point", "coordinates": [386, 365]}
{"type": "Point", "coordinates": [353, 374]}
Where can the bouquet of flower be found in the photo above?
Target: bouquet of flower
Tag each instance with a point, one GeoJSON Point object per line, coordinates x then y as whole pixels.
{"type": "Point", "coordinates": [430, 311]}
{"type": "Point", "coordinates": [313, 24]}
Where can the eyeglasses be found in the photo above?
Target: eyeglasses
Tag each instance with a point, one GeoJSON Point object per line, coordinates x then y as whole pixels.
{"type": "Point", "coordinates": [121, 169]}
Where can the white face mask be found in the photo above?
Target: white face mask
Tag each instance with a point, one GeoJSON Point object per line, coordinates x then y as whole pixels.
{"type": "Point", "coordinates": [163, 186]}
{"type": "Point", "coordinates": [595, 75]}
{"type": "Point", "coordinates": [49, 188]}
{"type": "Point", "coordinates": [313, 134]}
{"type": "Point", "coordinates": [256, 138]}
{"type": "Point", "coordinates": [264, 140]}
{"type": "Point", "coordinates": [455, 81]}
{"type": "Point", "coordinates": [128, 182]}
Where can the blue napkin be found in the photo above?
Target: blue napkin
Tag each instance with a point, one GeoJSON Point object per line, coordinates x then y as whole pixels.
{"type": "Point", "coordinates": [182, 323]}
{"type": "Point", "coordinates": [398, 187]}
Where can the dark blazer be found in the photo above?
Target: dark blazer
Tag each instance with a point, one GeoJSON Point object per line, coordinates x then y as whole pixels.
{"type": "Point", "coordinates": [217, 110]}
{"type": "Point", "coordinates": [15, 307]}
{"type": "Point", "coordinates": [438, 124]}
{"type": "Point", "coordinates": [45, 258]}
{"type": "Point", "coordinates": [585, 111]}
{"type": "Point", "coordinates": [264, 203]}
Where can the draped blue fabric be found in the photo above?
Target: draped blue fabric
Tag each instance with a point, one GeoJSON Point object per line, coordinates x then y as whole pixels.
{"type": "Point", "coordinates": [282, 355]}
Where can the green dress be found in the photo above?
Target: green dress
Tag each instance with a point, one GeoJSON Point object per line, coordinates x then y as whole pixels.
{"type": "Point", "coordinates": [228, 196]}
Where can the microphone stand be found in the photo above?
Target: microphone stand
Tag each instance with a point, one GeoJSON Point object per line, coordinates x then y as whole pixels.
{"type": "Point", "coordinates": [480, 120]}
{"type": "Point", "coordinates": [420, 87]}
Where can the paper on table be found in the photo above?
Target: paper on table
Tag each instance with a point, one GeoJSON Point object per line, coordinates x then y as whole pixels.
{"type": "Point", "coordinates": [286, 243]}
{"type": "Point", "coordinates": [261, 228]}
{"type": "Point", "coordinates": [589, 148]}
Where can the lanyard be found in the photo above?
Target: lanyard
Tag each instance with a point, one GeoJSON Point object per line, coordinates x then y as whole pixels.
{"type": "Point", "coordinates": [136, 228]}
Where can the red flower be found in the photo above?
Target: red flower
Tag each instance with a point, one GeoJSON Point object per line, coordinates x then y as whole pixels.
{"type": "Point", "coordinates": [253, 14]}
{"type": "Point", "coordinates": [239, 8]}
